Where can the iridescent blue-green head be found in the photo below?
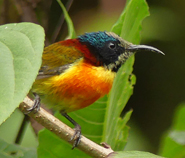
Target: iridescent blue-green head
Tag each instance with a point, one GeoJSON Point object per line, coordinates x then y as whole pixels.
{"type": "Point", "coordinates": [111, 50]}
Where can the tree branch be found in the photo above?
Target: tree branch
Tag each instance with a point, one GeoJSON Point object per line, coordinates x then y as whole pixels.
{"type": "Point", "coordinates": [63, 131]}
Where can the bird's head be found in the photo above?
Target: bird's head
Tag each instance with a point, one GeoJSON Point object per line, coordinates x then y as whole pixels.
{"type": "Point", "coordinates": [110, 50]}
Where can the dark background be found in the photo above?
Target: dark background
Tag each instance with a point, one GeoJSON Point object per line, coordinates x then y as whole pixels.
{"type": "Point", "coordinates": [160, 79]}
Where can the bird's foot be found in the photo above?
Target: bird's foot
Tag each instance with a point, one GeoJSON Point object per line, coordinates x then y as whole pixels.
{"type": "Point", "coordinates": [77, 136]}
{"type": "Point", "coordinates": [36, 104]}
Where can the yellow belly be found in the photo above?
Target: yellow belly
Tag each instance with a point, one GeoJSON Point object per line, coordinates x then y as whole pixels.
{"type": "Point", "coordinates": [81, 85]}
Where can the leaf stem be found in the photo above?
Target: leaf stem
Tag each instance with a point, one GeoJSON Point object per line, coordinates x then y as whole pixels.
{"type": "Point", "coordinates": [56, 34]}
{"type": "Point", "coordinates": [22, 130]}
{"type": "Point", "coordinates": [71, 29]}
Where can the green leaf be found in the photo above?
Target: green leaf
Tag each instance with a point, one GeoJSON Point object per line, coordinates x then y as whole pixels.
{"type": "Point", "coordinates": [15, 151]}
{"type": "Point", "coordinates": [173, 142]}
{"type": "Point", "coordinates": [71, 29]}
{"type": "Point", "coordinates": [133, 154]}
{"type": "Point", "coordinates": [130, 25]}
{"type": "Point", "coordinates": [21, 47]}
{"type": "Point", "coordinates": [122, 133]}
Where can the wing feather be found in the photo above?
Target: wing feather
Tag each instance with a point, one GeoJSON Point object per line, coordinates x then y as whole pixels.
{"type": "Point", "coordinates": [57, 58]}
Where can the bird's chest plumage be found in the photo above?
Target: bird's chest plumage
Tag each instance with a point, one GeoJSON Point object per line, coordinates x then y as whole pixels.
{"type": "Point", "coordinates": [80, 85]}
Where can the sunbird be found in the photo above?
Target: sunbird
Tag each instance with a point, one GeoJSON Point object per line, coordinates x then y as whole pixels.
{"type": "Point", "coordinates": [77, 72]}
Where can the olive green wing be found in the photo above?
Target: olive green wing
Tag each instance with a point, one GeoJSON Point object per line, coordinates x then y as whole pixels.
{"type": "Point", "coordinates": [57, 58]}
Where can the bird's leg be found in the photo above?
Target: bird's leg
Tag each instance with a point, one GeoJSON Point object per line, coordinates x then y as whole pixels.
{"type": "Point", "coordinates": [36, 104]}
{"type": "Point", "coordinates": [77, 135]}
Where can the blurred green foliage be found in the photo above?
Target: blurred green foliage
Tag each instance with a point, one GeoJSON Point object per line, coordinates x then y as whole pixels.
{"type": "Point", "coordinates": [173, 142]}
{"type": "Point", "coordinates": [160, 81]}
{"type": "Point", "coordinates": [14, 151]}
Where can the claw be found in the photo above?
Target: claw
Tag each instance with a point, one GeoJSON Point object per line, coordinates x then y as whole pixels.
{"type": "Point", "coordinates": [36, 104]}
{"type": "Point", "coordinates": [77, 135]}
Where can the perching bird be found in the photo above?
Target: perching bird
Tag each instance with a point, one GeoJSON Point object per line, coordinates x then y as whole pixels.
{"type": "Point", "coordinates": [77, 72]}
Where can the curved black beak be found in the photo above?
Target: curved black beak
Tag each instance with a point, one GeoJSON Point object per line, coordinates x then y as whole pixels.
{"type": "Point", "coordinates": [136, 48]}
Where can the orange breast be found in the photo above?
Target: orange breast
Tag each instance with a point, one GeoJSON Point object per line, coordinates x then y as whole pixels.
{"type": "Point", "coordinates": [81, 85]}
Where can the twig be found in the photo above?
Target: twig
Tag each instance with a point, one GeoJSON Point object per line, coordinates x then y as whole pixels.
{"type": "Point", "coordinates": [22, 130]}
{"type": "Point", "coordinates": [63, 131]}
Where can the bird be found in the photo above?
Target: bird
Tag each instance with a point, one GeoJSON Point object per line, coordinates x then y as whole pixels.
{"type": "Point", "coordinates": [77, 72]}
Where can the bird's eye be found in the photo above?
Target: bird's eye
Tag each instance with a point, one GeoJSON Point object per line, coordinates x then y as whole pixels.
{"type": "Point", "coordinates": [112, 45]}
